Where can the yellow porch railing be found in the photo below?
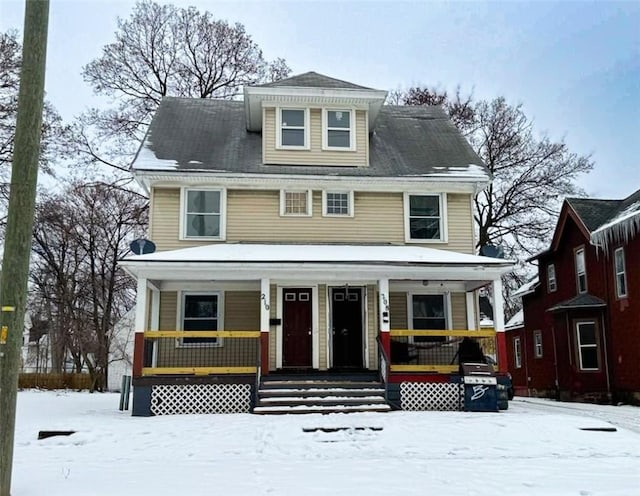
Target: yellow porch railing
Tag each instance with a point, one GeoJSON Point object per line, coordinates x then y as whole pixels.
{"type": "Point", "coordinates": [414, 350]}
{"type": "Point", "coordinates": [201, 352]}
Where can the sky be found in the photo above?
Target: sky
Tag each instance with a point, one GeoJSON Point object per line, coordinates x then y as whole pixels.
{"type": "Point", "coordinates": [574, 66]}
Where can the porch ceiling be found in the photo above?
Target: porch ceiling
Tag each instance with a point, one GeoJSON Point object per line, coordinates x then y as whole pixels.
{"type": "Point", "coordinates": [242, 261]}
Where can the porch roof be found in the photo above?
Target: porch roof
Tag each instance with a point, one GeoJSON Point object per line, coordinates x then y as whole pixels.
{"type": "Point", "coordinates": [307, 260]}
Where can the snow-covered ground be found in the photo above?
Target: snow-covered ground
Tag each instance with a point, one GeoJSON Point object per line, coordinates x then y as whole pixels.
{"type": "Point", "coordinates": [535, 448]}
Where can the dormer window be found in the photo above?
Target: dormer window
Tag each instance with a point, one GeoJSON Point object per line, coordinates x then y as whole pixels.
{"type": "Point", "coordinates": [293, 126]}
{"type": "Point", "coordinates": [338, 130]}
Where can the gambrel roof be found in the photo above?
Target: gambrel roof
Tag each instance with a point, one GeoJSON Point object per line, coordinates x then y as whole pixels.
{"type": "Point", "coordinates": [188, 134]}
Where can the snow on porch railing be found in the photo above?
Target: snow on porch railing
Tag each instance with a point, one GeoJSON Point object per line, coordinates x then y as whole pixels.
{"type": "Point", "coordinates": [201, 352]}
{"type": "Point", "coordinates": [414, 350]}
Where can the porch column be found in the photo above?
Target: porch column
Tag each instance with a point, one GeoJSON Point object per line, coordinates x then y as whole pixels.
{"type": "Point", "coordinates": [472, 323]}
{"type": "Point", "coordinates": [155, 322]}
{"type": "Point", "coordinates": [498, 324]}
{"type": "Point", "coordinates": [141, 324]}
{"type": "Point", "coordinates": [383, 314]}
{"type": "Point", "coordinates": [265, 306]}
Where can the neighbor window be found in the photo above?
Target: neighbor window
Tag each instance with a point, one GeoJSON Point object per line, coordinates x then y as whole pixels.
{"type": "Point", "coordinates": [551, 278]}
{"type": "Point", "coordinates": [337, 203]}
{"type": "Point", "coordinates": [295, 203]}
{"type": "Point", "coordinates": [200, 312]}
{"type": "Point", "coordinates": [581, 271]}
{"type": "Point", "coordinates": [428, 312]}
{"type": "Point", "coordinates": [293, 128]}
{"type": "Point", "coordinates": [338, 129]}
{"type": "Point", "coordinates": [621, 274]}
{"type": "Point", "coordinates": [203, 213]}
{"type": "Point", "coordinates": [517, 353]}
{"type": "Point", "coordinates": [424, 217]}
{"type": "Point", "coordinates": [587, 345]}
{"type": "Point", "coordinates": [537, 344]}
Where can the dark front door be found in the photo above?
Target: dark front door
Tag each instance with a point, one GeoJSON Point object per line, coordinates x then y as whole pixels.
{"type": "Point", "coordinates": [346, 327]}
{"type": "Point", "coordinates": [296, 327]}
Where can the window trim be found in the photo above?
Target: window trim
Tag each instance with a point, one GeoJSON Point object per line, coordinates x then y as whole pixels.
{"type": "Point", "coordinates": [183, 214]}
{"type": "Point", "coordinates": [579, 346]}
{"type": "Point", "coordinates": [551, 288]}
{"type": "Point", "coordinates": [517, 352]}
{"type": "Point", "coordinates": [448, 313]}
{"type": "Point", "coordinates": [442, 198]}
{"type": "Point", "coordinates": [307, 134]}
{"type": "Point", "coordinates": [326, 129]}
{"type": "Point", "coordinates": [584, 263]}
{"type": "Point", "coordinates": [620, 295]}
{"type": "Point", "coordinates": [335, 191]}
{"type": "Point", "coordinates": [537, 345]}
{"type": "Point", "coordinates": [309, 193]}
{"type": "Point", "coordinates": [180, 318]}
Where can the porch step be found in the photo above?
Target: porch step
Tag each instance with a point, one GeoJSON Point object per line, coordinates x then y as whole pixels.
{"type": "Point", "coordinates": [320, 396]}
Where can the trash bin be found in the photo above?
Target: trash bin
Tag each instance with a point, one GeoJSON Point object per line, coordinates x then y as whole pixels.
{"type": "Point", "coordinates": [480, 388]}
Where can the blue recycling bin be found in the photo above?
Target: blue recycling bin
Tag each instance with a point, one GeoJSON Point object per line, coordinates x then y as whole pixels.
{"type": "Point", "coordinates": [480, 388]}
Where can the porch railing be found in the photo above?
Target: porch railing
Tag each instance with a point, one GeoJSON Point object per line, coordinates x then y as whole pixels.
{"type": "Point", "coordinates": [415, 350]}
{"type": "Point", "coordinates": [201, 352]}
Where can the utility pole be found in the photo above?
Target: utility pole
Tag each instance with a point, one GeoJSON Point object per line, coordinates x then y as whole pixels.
{"type": "Point", "coordinates": [17, 246]}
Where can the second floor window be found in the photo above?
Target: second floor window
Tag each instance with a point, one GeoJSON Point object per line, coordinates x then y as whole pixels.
{"type": "Point", "coordinates": [551, 278]}
{"type": "Point", "coordinates": [581, 271]}
{"type": "Point", "coordinates": [296, 203]}
{"type": "Point", "coordinates": [621, 274]}
{"type": "Point", "coordinates": [338, 203]}
{"type": "Point", "coordinates": [537, 344]}
{"type": "Point", "coordinates": [517, 353]}
{"type": "Point", "coordinates": [293, 124]}
{"type": "Point", "coordinates": [338, 129]}
{"type": "Point", "coordinates": [424, 217]}
{"type": "Point", "coordinates": [203, 212]}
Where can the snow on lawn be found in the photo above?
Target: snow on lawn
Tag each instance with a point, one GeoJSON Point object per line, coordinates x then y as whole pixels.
{"type": "Point", "coordinates": [522, 451]}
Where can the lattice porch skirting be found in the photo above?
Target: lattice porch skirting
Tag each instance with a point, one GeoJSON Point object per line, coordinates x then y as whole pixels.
{"type": "Point", "coordinates": [438, 396]}
{"type": "Point", "coordinates": [171, 399]}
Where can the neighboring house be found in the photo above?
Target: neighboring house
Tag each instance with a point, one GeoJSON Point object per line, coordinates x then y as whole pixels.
{"type": "Point", "coordinates": [580, 338]}
{"type": "Point", "coordinates": [308, 230]}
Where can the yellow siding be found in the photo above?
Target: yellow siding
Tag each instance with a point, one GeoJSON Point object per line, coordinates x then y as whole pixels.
{"type": "Point", "coordinates": [315, 155]}
{"type": "Point", "coordinates": [254, 215]}
{"type": "Point", "coordinates": [458, 311]}
{"type": "Point", "coordinates": [398, 311]}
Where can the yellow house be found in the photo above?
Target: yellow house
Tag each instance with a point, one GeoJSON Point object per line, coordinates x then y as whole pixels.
{"type": "Point", "coordinates": [308, 234]}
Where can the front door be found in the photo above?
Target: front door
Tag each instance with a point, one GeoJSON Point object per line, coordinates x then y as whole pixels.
{"type": "Point", "coordinates": [296, 327]}
{"type": "Point", "coordinates": [346, 327]}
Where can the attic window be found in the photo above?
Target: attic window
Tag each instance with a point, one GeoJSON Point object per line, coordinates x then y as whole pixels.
{"type": "Point", "coordinates": [293, 128]}
{"type": "Point", "coordinates": [338, 130]}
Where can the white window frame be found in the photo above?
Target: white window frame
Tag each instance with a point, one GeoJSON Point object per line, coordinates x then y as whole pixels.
{"type": "Point", "coordinates": [180, 318]}
{"type": "Point", "coordinates": [325, 213]}
{"type": "Point", "coordinates": [283, 202]}
{"type": "Point", "coordinates": [183, 213]}
{"type": "Point", "coordinates": [620, 252]}
{"type": "Point", "coordinates": [537, 344]}
{"type": "Point", "coordinates": [581, 346]}
{"type": "Point", "coordinates": [517, 353]}
{"type": "Point", "coordinates": [307, 134]}
{"type": "Point", "coordinates": [443, 219]}
{"type": "Point", "coordinates": [326, 129]}
{"type": "Point", "coordinates": [552, 283]}
{"type": "Point", "coordinates": [448, 315]}
{"type": "Point", "coordinates": [580, 253]}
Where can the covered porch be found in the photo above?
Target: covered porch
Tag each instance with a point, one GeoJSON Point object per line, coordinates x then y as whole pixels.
{"type": "Point", "coordinates": [219, 318]}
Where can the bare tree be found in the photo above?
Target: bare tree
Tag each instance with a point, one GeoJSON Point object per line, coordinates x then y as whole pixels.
{"type": "Point", "coordinates": [54, 133]}
{"type": "Point", "coordinates": [79, 237]}
{"type": "Point", "coordinates": [163, 50]}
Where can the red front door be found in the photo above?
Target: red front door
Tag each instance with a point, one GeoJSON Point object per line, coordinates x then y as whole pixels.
{"type": "Point", "coordinates": [296, 327]}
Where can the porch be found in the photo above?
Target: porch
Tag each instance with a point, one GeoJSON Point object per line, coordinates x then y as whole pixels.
{"type": "Point", "coordinates": [211, 333]}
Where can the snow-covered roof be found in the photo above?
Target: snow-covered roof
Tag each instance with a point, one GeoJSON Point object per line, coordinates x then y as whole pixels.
{"type": "Point", "coordinates": [283, 253]}
{"type": "Point", "coordinates": [624, 226]}
{"type": "Point", "coordinates": [515, 322]}
{"type": "Point", "coordinates": [528, 287]}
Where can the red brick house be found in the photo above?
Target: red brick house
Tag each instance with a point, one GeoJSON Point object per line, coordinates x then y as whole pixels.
{"type": "Point", "coordinates": [580, 336]}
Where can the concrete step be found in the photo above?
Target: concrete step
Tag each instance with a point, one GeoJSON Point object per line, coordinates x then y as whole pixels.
{"type": "Point", "coordinates": [298, 409]}
{"type": "Point", "coordinates": [322, 400]}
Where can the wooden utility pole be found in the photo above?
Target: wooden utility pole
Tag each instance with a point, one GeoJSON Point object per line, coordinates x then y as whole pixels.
{"type": "Point", "coordinates": [17, 246]}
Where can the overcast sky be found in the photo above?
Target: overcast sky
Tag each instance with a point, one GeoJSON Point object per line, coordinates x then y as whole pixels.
{"type": "Point", "coordinates": [575, 66]}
